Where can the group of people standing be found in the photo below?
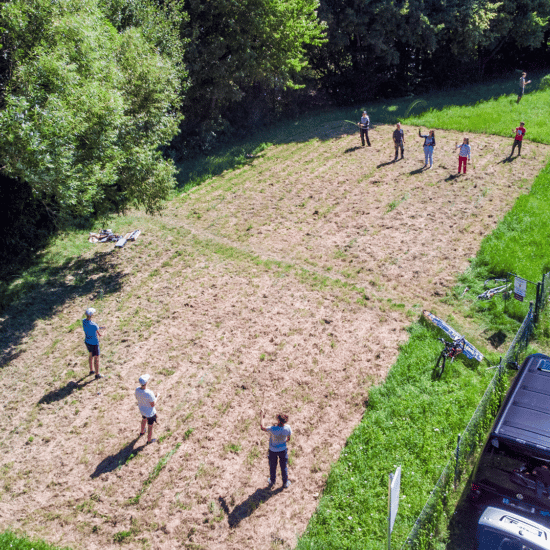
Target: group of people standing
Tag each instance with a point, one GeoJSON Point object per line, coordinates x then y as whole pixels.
{"type": "Point", "coordinates": [464, 154]}
{"type": "Point", "coordinates": [280, 432]}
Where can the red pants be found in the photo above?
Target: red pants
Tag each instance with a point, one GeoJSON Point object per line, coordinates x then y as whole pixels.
{"type": "Point", "coordinates": [462, 161]}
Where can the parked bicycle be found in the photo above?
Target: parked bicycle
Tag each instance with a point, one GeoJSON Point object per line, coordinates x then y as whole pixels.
{"type": "Point", "coordinates": [500, 289]}
{"type": "Point", "coordinates": [450, 351]}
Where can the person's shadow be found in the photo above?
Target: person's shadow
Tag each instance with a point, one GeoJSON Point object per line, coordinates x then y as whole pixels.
{"type": "Point", "coordinates": [65, 391]}
{"type": "Point", "coordinates": [452, 177]}
{"type": "Point", "coordinates": [112, 462]}
{"type": "Point", "coordinates": [247, 507]}
{"type": "Point", "coordinates": [352, 149]}
{"type": "Point", "coordinates": [417, 171]}
{"type": "Point", "coordinates": [386, 163]}
{"type": "Point", "coordinates": [506, 160]}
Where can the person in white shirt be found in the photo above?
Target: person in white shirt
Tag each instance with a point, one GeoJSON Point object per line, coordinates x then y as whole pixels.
{"type": "Point", "coordinates": [146, 402]}
{"type": "Point", "coordinates": [463, 154]}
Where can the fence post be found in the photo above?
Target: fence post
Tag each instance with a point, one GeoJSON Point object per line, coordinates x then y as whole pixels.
{"type": "Point", "coordinates": [538, 303]}
{"type": "Point", "coordinates": [457, 459]}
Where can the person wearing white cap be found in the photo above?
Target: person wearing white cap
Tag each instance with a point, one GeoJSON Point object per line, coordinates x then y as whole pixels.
{"type": "Point", "coordinates": [146, 402]}
{"type": "Point", "coordinates": [92, 335]}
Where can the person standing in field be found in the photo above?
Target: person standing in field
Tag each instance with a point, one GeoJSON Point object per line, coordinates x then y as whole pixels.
{"type": "Point", "coordinates": [429, 144]}
{"type": "Point", "coordinates": [92, 336]}
{"type": "Point", "coordinates": [519, 133]}
{"type": "Point", "coordinates": [463, 154]}
{"type": "Point", "coordinates": [364, 125]}
{"type": "Point", "coordinates": [279, 437]}
{"type": "Point", "coordinates": [146, 402]}
{"type": "Point", "coordinates": [399, 141]}
{"type": "Point", "coordinates": [522, 84]}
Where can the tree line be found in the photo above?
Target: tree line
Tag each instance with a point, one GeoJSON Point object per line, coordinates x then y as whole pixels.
{"type": "Point", "coordinates": [98, 97]}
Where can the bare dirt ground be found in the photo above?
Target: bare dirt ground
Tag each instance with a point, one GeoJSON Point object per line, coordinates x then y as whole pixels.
{"type": "Point", "coordinates": [286, 285]}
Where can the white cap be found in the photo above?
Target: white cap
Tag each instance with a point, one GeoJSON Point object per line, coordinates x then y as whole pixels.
{"type": "Point", "coordinates": [143, 379]}
{"type": "Point", "coordinates": [90, 311]}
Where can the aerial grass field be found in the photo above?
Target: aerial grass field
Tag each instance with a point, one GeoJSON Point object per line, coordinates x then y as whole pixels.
{"type": "Point", "coordinates": [285, 284]}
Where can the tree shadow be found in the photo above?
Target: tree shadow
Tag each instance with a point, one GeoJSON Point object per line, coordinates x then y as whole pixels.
{"type": "Point", "coordinates": [65, 391]}
{"type": "Point", "coordinates": [352, 149]}
{"type": "Point", "coordinates": [42, 296]}
{"type": "Point", "coordinates": [246, 508]}
{"type": "Point", "coordinates": [112, 462]}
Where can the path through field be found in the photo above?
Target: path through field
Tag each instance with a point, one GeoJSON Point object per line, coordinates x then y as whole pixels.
{"type": "Point", "coordinates": [287, 285]}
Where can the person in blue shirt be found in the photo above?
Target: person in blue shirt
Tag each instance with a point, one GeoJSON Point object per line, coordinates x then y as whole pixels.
{"type": "Point", "coordinates": [92, 335]}
{"type": "Point", "coordinates": [278, 452]}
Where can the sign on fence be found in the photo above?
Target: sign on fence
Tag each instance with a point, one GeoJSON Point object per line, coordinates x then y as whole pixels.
{"type": "Point", "coordinates": [520, 288]}
{"type": "Point", "coordinates": [394, 486]}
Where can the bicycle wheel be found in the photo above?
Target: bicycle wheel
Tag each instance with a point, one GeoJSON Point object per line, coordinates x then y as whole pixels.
{"type": "Point", "coordinates": [440, 365]}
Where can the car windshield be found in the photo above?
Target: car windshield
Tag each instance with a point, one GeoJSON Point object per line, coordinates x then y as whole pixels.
{"type": "Point", "coordinates": [492, 540]}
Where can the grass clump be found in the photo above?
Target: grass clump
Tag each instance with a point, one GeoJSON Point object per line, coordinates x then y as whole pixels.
{"type": "Point", "coordinates": [10, 540]}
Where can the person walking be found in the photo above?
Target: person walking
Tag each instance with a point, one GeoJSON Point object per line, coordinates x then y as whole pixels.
{"type": "Point", "coordinates": [364, 125]}
{"type": "Point", "coordinates": [146, 402]}
{"type": "Point", "coordinates": [399, 141]}
{"type": "Point", "coordinates": [91, 339]}
{"type": "Point", "coordinates": [522, 84]}
{"type": "Point", "coordinates": [429, 144]}
{"type": "Point", "coordinates": [463, 154]}
{"type": "Point", "coordinates": [279, 437]}
{"type": "Point", "coordinates": [519, 133]}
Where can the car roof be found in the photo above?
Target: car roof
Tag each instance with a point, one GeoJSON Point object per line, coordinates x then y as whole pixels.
{"type": "Point", "coordinates": [507, 523]}
{"type": "Point", "coordinates": [525, 417]}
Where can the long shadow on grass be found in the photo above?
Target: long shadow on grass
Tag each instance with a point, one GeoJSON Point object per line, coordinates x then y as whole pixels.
{"type": "Point", "coordinates": [246, 508]}
{"type": "Point", "coordinates": [112, 462]}
{"type": "Point", "coordinates": [65, 391]}
{"type": "Point", "coordinates": [93, 277]}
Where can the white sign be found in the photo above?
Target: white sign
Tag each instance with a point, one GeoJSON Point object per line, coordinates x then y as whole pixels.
{"type": "Point", "coordinates": [394, 486]}
{"type": "Point", "coordinates": [520, 288]}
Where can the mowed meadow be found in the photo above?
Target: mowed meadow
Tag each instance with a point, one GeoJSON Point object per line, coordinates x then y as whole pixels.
{"type": "Point", "coordinates": [286, 284]}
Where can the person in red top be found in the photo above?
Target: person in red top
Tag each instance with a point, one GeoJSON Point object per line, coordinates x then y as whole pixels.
{"type": "Point", "coordinates": [520, 132]}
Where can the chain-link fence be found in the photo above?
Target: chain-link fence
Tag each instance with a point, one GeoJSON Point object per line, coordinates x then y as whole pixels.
{"type": "Point", "coordinates": [425, 529]}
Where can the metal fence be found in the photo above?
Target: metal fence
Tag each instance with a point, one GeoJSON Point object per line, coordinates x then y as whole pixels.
{"type": "Point", "coordinates": [425, 529]}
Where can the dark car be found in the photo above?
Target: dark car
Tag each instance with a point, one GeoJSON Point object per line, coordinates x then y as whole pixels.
{"type": "Point", "coordinates": [513, 471]}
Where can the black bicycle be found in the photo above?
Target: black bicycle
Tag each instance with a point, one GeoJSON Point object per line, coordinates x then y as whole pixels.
{"type": "Point", "coordinates": [450, 351]}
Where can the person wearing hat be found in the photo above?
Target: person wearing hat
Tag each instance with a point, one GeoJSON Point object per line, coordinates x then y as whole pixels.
{"type": "Point", "coordinates": [364, 125]}
{"type": "Point", "coordinates": [279, 437]}
{"type": "Point", "coordinates": [146, 402]}
{"type": "Point", "coordinates": [92, 335]}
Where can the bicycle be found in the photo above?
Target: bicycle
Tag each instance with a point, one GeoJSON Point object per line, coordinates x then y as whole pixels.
{"type": "Point", "coordinates": [489, 293]}
{"type": "Point", "coordinates": [451, 350]}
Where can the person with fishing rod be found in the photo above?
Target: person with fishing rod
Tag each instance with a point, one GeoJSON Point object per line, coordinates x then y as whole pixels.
{"type": "Point", "coordinates": [364, 125]}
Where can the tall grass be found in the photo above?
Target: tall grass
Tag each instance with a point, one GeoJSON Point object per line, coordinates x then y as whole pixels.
{"type": "Point", "coordinates": [413, 421]}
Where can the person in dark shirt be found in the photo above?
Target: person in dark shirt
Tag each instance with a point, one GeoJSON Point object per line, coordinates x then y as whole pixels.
{"type": "Point", "coordinates": [364, 125]}
{"type": "Point", "coordinates": [399, 141]}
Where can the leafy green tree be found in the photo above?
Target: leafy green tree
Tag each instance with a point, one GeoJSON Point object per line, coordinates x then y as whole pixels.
{"type": "Point", "coordinates": [236, 45]}
{"type": "Point", "coordinates": [85, 108]}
